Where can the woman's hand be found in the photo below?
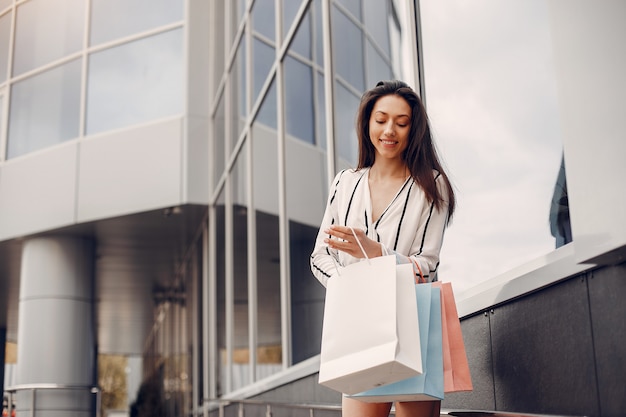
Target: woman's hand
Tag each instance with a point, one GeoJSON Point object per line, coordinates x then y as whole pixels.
{"type": "Point", "coordinates": [344, 240]}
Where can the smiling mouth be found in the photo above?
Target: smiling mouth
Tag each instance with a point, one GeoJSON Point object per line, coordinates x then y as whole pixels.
{"type": "Point", "coordinates": [388, 142]}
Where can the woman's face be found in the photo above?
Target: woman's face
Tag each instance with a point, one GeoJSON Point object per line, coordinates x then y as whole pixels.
{"type": "Point", "coordinates": [389, 126]}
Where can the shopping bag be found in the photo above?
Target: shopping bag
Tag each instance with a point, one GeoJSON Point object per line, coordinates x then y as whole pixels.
{"type": "Point", "coordinates": [455, 365]}
{"type": "Point", "coordinates": [429, 385]}
{"type": "Point", "coordinates": [370, 331]}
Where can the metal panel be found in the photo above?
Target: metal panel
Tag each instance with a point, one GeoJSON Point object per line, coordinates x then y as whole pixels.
{"type": "Point", "coordinates": [607, 290]}
{"type": "Point", "coordinates": [38, 191]}
{"type": "Point", "coordinates": [476, 335]}
{"type": "Point", "coordinates": [130, 171]}
{"type": "Point", "coordinates": [543, 354]}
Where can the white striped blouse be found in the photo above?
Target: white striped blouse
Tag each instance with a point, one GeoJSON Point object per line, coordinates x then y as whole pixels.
{"type": "Point", "coordinates": [410, 226]}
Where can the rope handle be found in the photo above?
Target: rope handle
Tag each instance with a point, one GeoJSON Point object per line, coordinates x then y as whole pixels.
{"type": "Point", "coordinates": [421, 275]}
{"type": "Point", "coordinates": [360, 246]}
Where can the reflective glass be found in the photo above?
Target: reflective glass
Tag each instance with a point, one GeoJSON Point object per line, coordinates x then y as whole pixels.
{"type": "Point", "coordinates": [45, 109]}
{"type": "Point", "coordinates": [319, 33]}
{"type": "Point", "coordinates": [239, 233]}
{"type": "Point", "coordinates": [239, 74]}
{"type": "Point", "coordinates": [265, 186]}
{"type": "Point", "coordinates": [377, 20]}
{"type": "Point", "coordinates": [47, 30]}
{"type": "Point", "coordinates": [302, 40]}
{"type": "Point", "coordinates": [377, 68]}
{"type": "Point", "coordinates": [348, 49]}
{"type": "Point", "coordinates": [5, 34]}
{"type": "Point", "coordinates": [237, 85]}
{"type": "Point", "coordinates": [345, 136]}
{"type": "Point", "coordinates": [354, 6]}
{"type": "Point", "coordinates": [497, 125]}
{"type": "Point", "coordinates": [320, 112]}
{"type": "Point", "coordinates": [240, 9]}
{"type": "Point", "coordinates": [135, 82]}
{"type": "Point", "coordinates": [299, 117]}
{"type": "Point", "coordinates": [218, 150]}
{"type": "Point", "coordinates": [114, 19]}
{"type": "Point", "coordinates": [290, 10]}
{"type": "Point", "coordinates": [263, 56]}
{"type": "Point", "coordinates": [263, 18]}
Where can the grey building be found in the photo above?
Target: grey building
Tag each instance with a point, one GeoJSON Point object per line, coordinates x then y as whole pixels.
{"type": "Point", "coordinates": [164, 166]}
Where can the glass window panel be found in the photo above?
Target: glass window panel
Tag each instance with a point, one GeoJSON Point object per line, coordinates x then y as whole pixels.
{"type": "Point", "coordinates": [265, 186]}
{"type": "Point", "coordinates": [267, 113]}
{"type": "Point", "coordinates": [290, 10]}
{"type": "Point", "coordinates": [218, 156]}
{"type": "Point", "coordinates": [501, 109]}
{"type": "Point", "coordinates": [377, 19]}
{"type": "Point", "coordinates": [320, 112]}
{"type": "Point", "coordinates": [319, 34]}
{"type": "Point", "coordinates": [302, 40]}
{"type": "Point", "coordinates": [240, 68]}
{"type": "Point", "coordinates": [135, 82]}
{"type": "Point", "coordinates": [240, 7]}
{"type": "Point", "coordinates": [345, 136]}
{"type": "Point", "coordinates": [263, 18]}
{"type": "Point", "coordinates": [306, 186]}
{"type": "Point", "coordinates": [241, 356]}
{"type": "Point", "coordinates": [377, 67]}
{"type": "Point", "coordinates": [307, 295]}
{"type": "Point", "coordinates": [238, 92]}
{"type": "Point", "coordinates": [264, 56]}
{"type": "Point", "coordinates": [114, 19]}
{"type": "Point", "coordinates": [45, 109]}
{"type": "Point", "coordinates": [300, 120]}
{"type": "Point", "coordinates": [348, 49]}
{"type": "Point", "coordinates": [46, 31]}
{"type": "Point", "coordinates": [354, 7]}
{"type": "Point", "coordinates": [5, 33]}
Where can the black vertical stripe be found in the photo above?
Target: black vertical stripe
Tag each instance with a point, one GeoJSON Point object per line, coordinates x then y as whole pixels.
{"type": "Point", "coordinates": [406, 203]}
{"type": "Point", "coordinates": [352, 198]}
{"type": "Point", "coordinates": [430, 214]}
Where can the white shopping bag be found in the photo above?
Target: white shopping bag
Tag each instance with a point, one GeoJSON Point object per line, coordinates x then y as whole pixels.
{"type": "Point", "coordinates": [370, 335]}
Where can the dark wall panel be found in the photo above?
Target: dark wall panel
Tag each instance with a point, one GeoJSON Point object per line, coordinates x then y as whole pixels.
{"type": "Point", "coordinates": [607, 298]}
{"type": "Point", "coordinates": [3, 341]}
{"type": "Point", "coordinates": [543, 352]}
{"type": "Point", "coordinates": [476, 335]}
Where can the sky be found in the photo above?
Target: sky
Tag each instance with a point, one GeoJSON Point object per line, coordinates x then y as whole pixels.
{"type": "Point", "coordinates": [491, 98]}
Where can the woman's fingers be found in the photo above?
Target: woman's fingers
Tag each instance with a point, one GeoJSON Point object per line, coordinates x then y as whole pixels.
{"type": "Point", "coordinates": [344, 239]}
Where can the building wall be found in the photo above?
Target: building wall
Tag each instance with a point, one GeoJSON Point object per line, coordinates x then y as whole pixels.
{"type": "Point", "coordinates": [563, 354]}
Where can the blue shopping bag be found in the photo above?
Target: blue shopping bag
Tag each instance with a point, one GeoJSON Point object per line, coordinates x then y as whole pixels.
{"type": "Point", "coordinates": [429, 385]}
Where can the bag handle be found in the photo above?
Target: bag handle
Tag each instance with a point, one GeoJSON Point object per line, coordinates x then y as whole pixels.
{"type": "Point", "coordinates": [360, 246]}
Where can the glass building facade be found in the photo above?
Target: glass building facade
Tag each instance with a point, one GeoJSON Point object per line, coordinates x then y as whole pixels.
{"type": "Point", "coordinates": [192, 142]}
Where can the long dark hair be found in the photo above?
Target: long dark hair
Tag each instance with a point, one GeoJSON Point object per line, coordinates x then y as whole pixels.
{"type": "Point", "coordinates": [420, 155]}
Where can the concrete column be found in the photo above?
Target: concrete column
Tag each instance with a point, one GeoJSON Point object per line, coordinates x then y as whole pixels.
{"type": "Point", "coordinates": [56, 335]}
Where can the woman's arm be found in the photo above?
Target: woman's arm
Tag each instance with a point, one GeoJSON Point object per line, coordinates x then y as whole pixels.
{"type": "Point", "coordinates": [324, 260]}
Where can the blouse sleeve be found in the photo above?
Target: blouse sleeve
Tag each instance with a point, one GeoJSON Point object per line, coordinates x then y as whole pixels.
{"type": "Point", "coordinates": [325, 261]}
{"type": "Point", "coordinates": [428, 240]}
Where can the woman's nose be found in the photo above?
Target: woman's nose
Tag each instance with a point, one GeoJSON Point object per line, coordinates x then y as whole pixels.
{"type": "Point", "coordinates": [389, 131]}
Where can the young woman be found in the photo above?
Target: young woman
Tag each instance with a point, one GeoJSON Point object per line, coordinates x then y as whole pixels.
{"type": "Point", "coordinates": [398, 201]}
